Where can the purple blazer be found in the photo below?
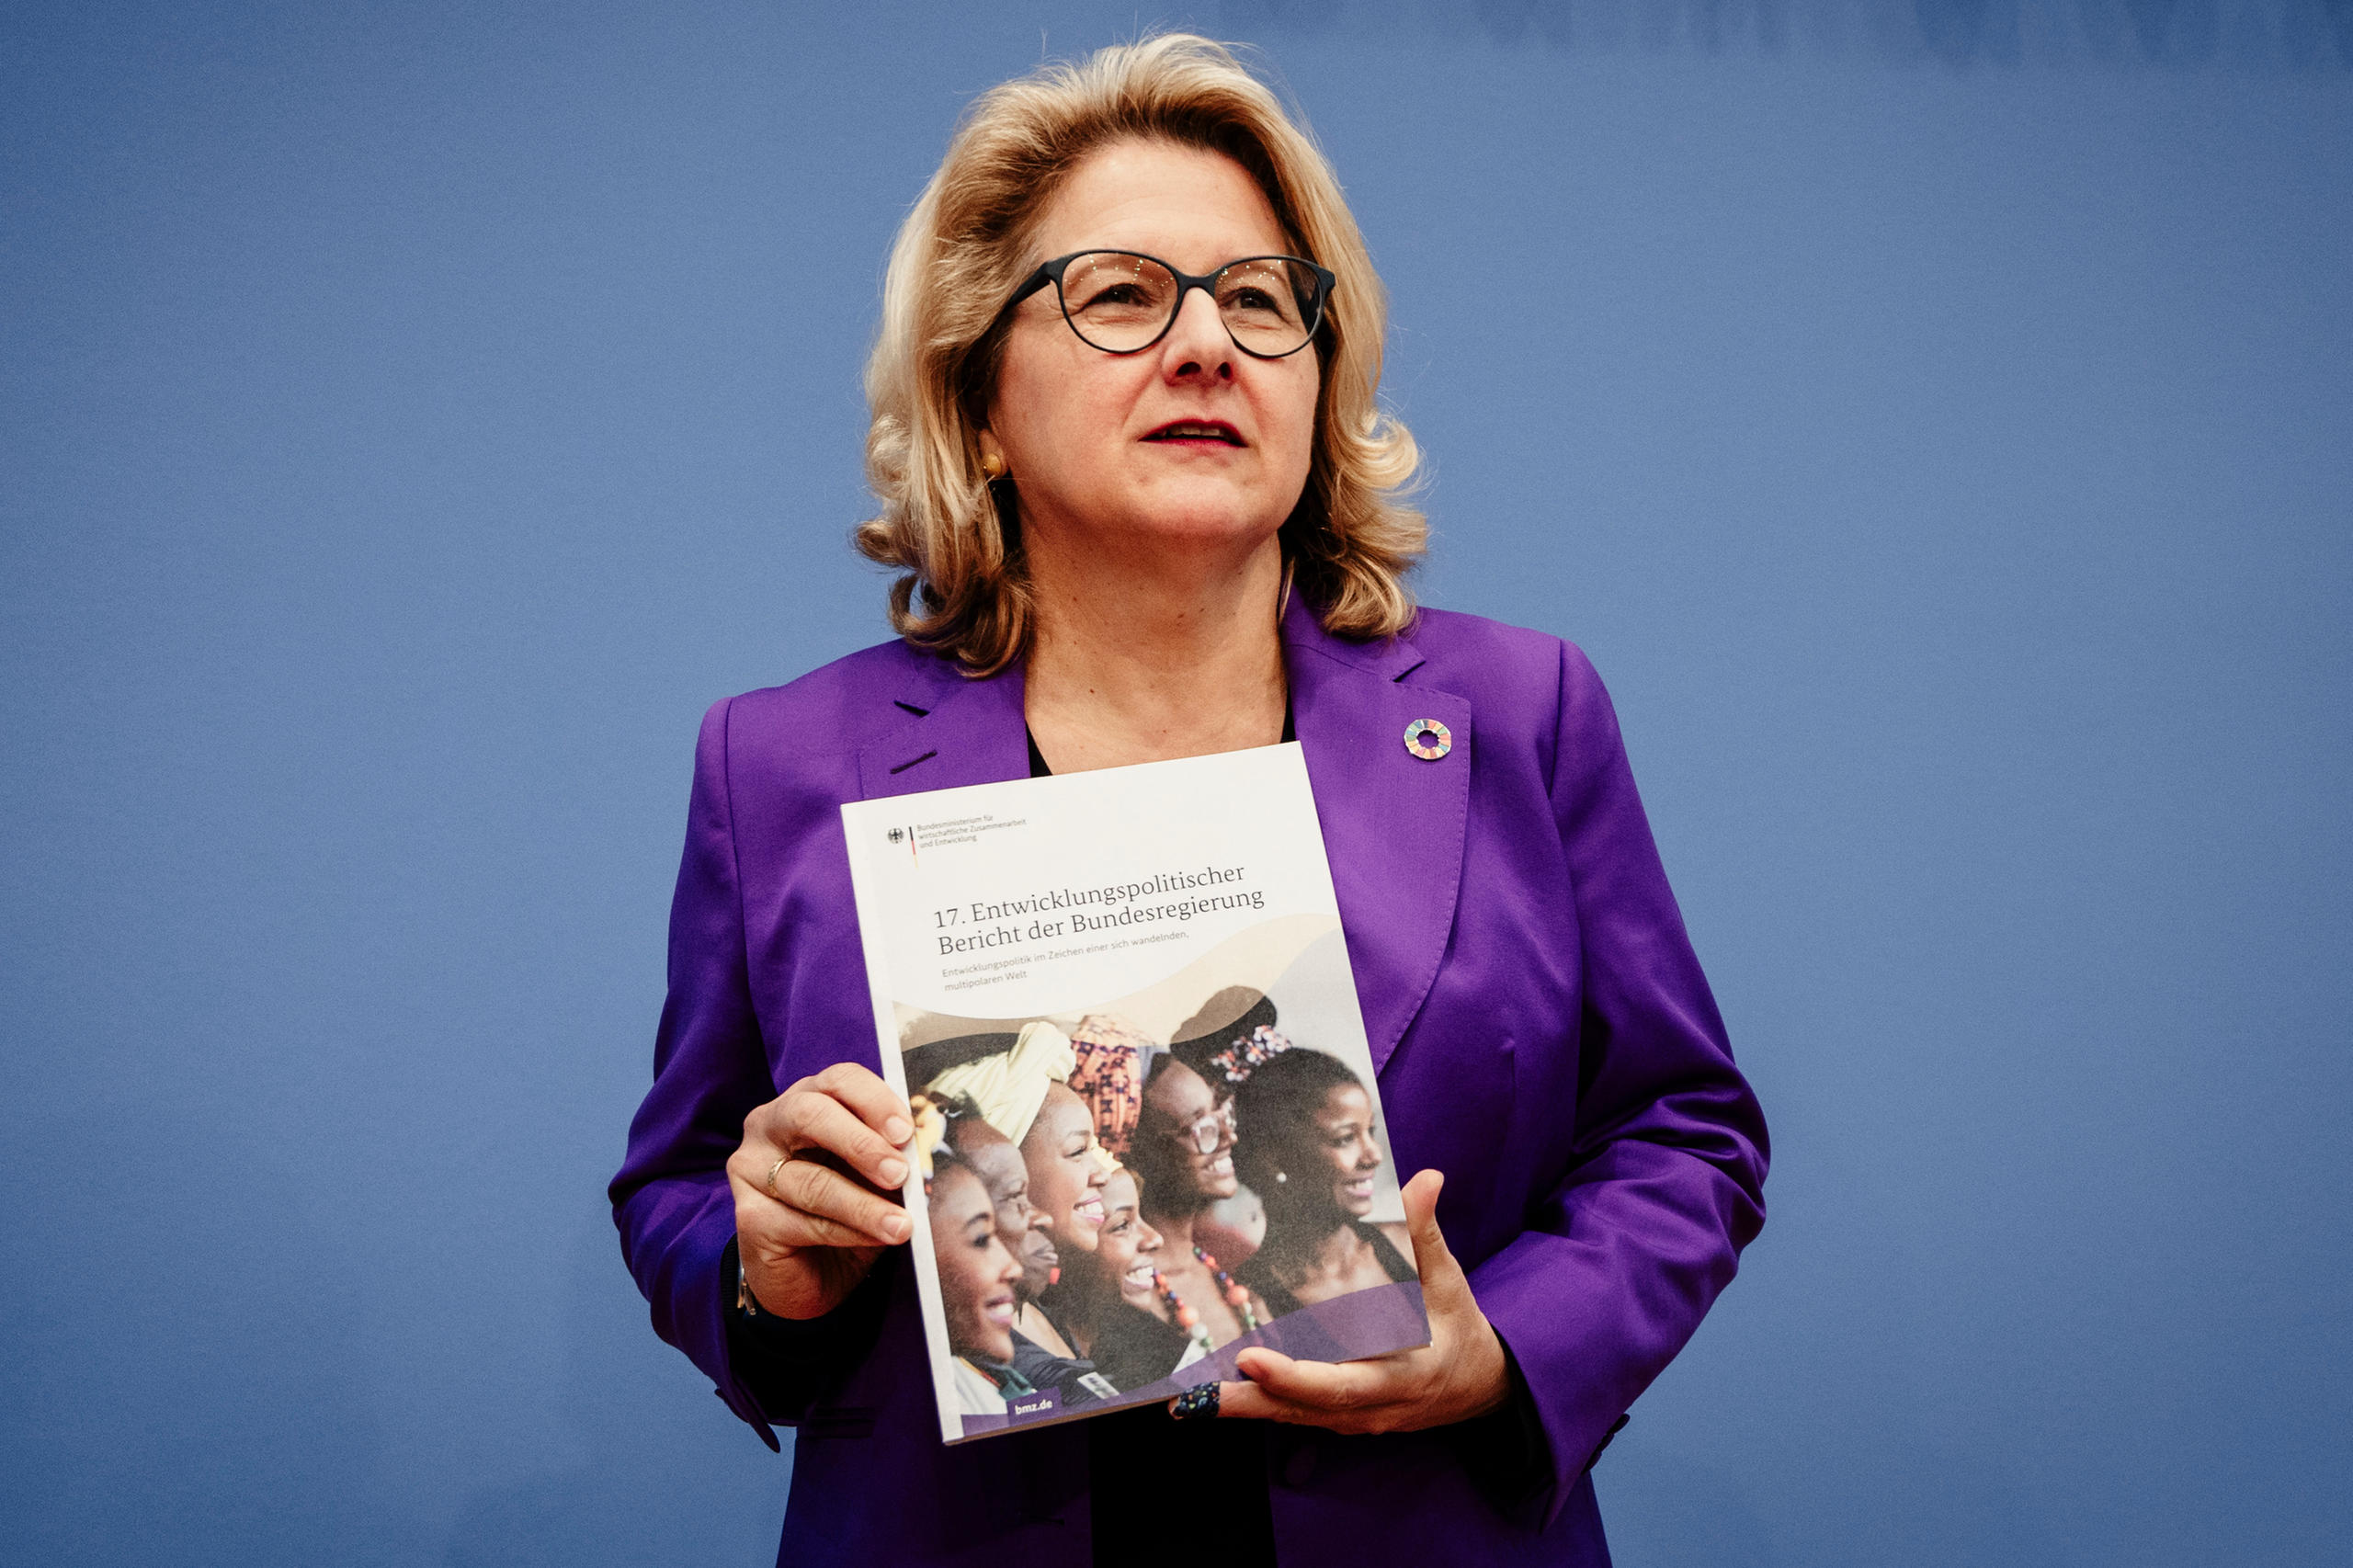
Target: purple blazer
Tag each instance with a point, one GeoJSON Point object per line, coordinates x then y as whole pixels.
{"type": "Point", "coordinates": [1541, 1028]}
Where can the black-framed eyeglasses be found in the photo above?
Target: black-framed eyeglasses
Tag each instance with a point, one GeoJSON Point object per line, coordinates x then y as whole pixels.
{"type": "Point", "coordinates": [1123, 302]}
{"type": "Point", "coordinates": [1205, 1134]}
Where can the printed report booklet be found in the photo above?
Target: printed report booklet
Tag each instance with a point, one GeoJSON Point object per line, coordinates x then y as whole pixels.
{"type": "Point", "coordinates": [1149, 1134]}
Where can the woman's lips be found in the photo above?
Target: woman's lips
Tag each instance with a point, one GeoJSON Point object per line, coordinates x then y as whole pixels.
{"type": "Point", "coordinates": [1087, 1211]}
{"type": "Point", "coordinates": [998, 1310]}
{"type": "Point", "coordinates": [1220, 1166]}
{"type": "Point", "coordinates": [1203, 432]}
{"type": "Point", "coordinates": [1139, 1277]}
{"type": "Point", "coordinates": [1360, 1187]}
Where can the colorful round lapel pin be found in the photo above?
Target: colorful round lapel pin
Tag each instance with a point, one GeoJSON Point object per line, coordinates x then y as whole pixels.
{"type": "Point", "coordinates": [1429, 739]}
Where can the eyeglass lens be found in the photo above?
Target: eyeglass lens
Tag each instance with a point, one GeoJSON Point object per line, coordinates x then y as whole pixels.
{"type": "Point", "coordinates": [1120, 303]}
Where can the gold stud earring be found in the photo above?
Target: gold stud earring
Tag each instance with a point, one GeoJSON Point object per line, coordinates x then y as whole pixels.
{"type": "Point", "coordinates": [992, 467]}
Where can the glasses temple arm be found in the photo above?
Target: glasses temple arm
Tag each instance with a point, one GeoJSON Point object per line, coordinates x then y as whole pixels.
{"type": "Point", "coordinates": [1032, 284]}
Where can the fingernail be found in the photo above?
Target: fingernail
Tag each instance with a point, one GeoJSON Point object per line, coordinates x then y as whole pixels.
{"type": "Point", "coordinates": [896, 1227]}
{"type": "Point", "coordinates": [1196, 1403]}
{"type": "Point", "coordinates": [894, 1172]}
{"type": "Point", "coordinates": [898, 1130]}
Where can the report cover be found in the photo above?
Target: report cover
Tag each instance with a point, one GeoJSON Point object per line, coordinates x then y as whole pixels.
{"type": "Point", "coordinates": [1149, 1135]}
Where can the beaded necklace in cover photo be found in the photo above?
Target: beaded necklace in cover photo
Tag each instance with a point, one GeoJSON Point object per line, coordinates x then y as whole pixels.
{"type": "Point", "coordinates": [1188, 1319]}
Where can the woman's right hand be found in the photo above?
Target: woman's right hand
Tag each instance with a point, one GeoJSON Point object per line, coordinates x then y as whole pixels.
{"type": "Point", "coordinates": [816, 1181]}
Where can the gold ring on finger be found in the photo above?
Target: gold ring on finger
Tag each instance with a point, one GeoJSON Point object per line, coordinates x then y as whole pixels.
{"type": "Point", "coordinates": [770, 1182]}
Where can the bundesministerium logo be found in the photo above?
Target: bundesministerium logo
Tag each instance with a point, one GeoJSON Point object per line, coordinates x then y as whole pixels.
{"type": "Point", "coordinates": [898, 835]}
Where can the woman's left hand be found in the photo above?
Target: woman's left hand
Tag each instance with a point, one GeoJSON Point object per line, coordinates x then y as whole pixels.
{"type": "Point", "coordinates": [1459, 1374]}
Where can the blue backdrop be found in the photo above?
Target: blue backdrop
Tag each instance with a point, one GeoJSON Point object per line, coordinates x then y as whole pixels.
{"type": "Point", "coordinates": [1933, 417]}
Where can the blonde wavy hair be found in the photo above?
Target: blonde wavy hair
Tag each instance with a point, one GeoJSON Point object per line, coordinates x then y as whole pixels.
{"type": "Point", "coordinates": [1351, 539]}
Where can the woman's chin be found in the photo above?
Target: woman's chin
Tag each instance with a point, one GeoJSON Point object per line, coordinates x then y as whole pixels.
{"type": "Point", "coordinates": [1195, 500]}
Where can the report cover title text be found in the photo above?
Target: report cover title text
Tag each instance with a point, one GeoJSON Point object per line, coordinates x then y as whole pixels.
{"type": "Point", "coordinates": [1068, 911]}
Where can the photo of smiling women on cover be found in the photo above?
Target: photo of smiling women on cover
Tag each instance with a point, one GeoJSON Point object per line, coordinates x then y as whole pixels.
{"type": "Point", "coordinates": [1080, 1168]}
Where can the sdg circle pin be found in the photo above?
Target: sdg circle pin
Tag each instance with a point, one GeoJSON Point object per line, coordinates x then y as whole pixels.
{"type": "Point", "coordinates": [1429, 739]}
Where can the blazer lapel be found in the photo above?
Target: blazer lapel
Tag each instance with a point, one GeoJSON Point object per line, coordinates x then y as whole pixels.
{"type": "Point", "coordinates": [958, 731]}
{"type": "Point", "coordinates": [1394, 824]}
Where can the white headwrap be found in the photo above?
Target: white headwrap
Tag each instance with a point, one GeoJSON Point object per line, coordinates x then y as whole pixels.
{"type": "Point", "coordinates": [1007, 1088]}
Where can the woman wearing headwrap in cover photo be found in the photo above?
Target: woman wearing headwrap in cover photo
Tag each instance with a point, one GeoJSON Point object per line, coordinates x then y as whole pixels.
{"type": "Point", "coordinates": [1014, 1087]}
{"type": "Point", "coordinates": [1042, 1352]}
{"type": "Point", "coordinates": [1145, 503]}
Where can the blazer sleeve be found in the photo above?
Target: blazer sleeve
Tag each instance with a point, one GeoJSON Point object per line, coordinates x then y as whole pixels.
{"type": "Point", "coordinates": [671, 1199]}
{"type": "Point", "coordinates": [1665, 1176]}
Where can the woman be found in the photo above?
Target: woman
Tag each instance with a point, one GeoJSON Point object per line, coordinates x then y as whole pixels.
{"type": "Point", "coordinates": [1162, 1333]}
{"type": "Point", "coordinates": [1040, 1351]}
{"type": "Point", "coordinates": [1023, 1092]}
{"type": "Point", "coordinates": [1014, 1115]}
{"type": "Point", "coordinates": [1312, 1151]}
{"type": "Point", "coordinates": [976, 1279]}
{"type": "Point", "coordinates": [1067, 1169]}
{"type": "Point", "coordinates": [1230, 1228]}
{"type": "Point", "coordinates": [1142, 516]}
{"type": "Point", "coordinates": [1116, 1300]}
{"type": "Point", "coordinates": [1184, 1151]}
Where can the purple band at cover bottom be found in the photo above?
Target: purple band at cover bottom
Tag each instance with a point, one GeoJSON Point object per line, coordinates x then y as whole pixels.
{"type": "Point", "coordinates": [1354, 1328]}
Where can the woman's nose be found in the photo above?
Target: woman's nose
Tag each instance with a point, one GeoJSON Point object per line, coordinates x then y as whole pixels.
{"type": "Point", "coordinates": [1198, 344]}
{"type": "Point", "coordinates": [1147, 1239]}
